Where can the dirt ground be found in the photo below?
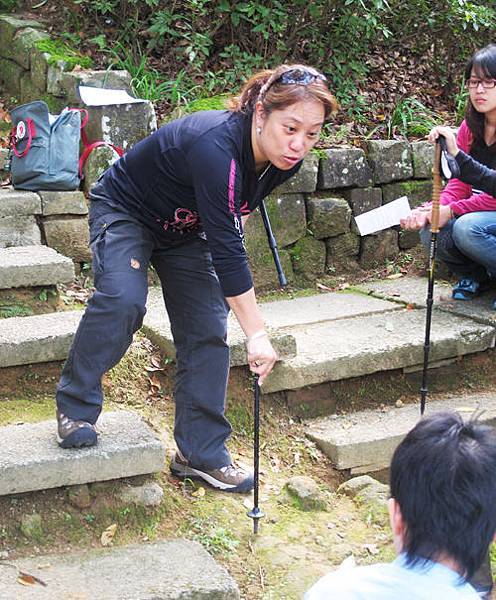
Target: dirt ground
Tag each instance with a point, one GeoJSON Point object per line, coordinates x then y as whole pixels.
{"type": "Point", "coordinates": [293, 547]}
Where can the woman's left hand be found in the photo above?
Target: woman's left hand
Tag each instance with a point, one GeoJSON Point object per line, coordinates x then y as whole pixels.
{"type": "Point", "coordinates": [261, 357]}
{"type": "Point", "coordinates": [445, 215]}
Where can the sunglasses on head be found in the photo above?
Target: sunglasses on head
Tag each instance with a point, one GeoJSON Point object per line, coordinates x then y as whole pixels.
{"type": "Point", "coordinates": [300, 76]}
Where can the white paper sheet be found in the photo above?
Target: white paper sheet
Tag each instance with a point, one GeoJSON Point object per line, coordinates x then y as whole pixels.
{"type": "Point", "coordinates": [383, 217]}
{"type": "Point", "coordinates": [93, 96]}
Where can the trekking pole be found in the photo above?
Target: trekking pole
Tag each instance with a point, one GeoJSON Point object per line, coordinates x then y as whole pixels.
{"type": "Point", "coordinates": [256, 514]}
{"type": "Point", "coordinates": [436, 192]}
{"type": "Point", "coordinates": [283, 282]}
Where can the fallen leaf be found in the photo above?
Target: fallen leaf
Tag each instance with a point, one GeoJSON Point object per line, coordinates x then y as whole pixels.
{"type": "Point", "coordinates": [199, 493]}
{"type": "Point", "coordinates": [321, 286]}
{"type": "Point", "coordinates": [248, 503]}
{"type": "Point", "coordinates": [371, 548]}
{"type": "Point", "coordinates": [107, 536]}
{"type": "Point", "coordinates": [27, 579]}
{"type": "Point", "coordinates": [395, 276]}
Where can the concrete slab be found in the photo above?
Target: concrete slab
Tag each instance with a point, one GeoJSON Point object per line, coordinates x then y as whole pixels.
{"type": "Point", "coordinates": [30, 458]}
{"type": "Point", "coordinates": [19, 231]}
{"type": "Point", "coordinates": [413, 290]}
{"type": "Point", "coordinates": [279, 316]}
{"type": "Point", "coordinates": [156, 327]}
{"type": "Point", "coordinates": [17, 203]}
{"type": "Point", "coordinates": [26, 266]}
{"type": "Point", "coordinates": [166, 570]}
{"type": "Point", "coordinates": [362, 345]}
{"type": "Point", "coordinates": [406, 290]}
{"type": "Point", "coordinates": [365, 441]}
{"type": "Point", "coordinates": [37, 339]}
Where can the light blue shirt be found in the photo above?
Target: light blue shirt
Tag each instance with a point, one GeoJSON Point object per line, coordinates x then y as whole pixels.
{"type": "Point", "coordinates": [392, 581]}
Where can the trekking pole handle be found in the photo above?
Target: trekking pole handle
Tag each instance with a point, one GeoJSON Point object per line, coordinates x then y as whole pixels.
{"type": "Point", "coordinates": [436, 187]}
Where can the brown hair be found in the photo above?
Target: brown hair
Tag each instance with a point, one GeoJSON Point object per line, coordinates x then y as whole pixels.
{"type": "Point", "coordinates": [274, 95]}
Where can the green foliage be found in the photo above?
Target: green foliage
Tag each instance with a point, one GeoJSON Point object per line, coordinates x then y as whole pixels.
{"type": "Point", "coordinates": [14, 310]}
{"type": "Point", "coordinates": [209, 46]}
{"type": "Point", "coordinates": [61, 51]}
{"type": "Point", "coordinates": [8, 5]}
{"type": "Point", "coordinates": [215, 539]}
{"type": "Point", "coordinates": [411, 117]}
{"type": "Point", "coordinates": [211, 103]}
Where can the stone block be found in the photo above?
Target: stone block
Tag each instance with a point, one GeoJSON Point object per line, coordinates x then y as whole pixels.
{"type": "Point", "coordinates": [287, 216]}
{"type": "Point", "coordinates": [408, 239]}
{"type": "Point", "coordinates": [375, 249]}
{"type": "Point", "coordinates": [33, 461]}
{"type": "Point", "coordinates": [123, 125]}
{"type": "Point", "coordinates": [417, 191]}
{"type": "Point", "coordinates": [63, 203]}
{"type": "Point", "coordinates": [162, 570]}
{"type": "Point", "coordinates": [263, 268]}
{"type": "Point", "coordinates": [423, 159]}
{"type": "Point", "coordinates": [70, 82]}
{"type": "Point", "coordinates": [54, 78]}
{"type": "Point", "coordinates": [19, 231]}
{"type": "Point", "coordinates": [68, 236]}
{"type": "Point", "coordinates": [23, 42]}
{"type": "Point", "coordinates": [353, 347]}
{"type": "Point", "coordinates": [4, 153]}
{"type": "Point", "coordinates": [344, 167]}
{"type": "Point", "coordinates": [308, 257]}
{"type": "Point", "coordinates": [390, 160]}
{"type": "Point", "coordinates": [328, 217]}
{"type": "Point", "coordinates": [28, 91]}
{"type": "Point", "coordinates": [305, 181]}
{"type": "Point", "coordinates": [18, 203]}
{"type": "Point", "coordinates": [306, 492]}
{"type": "Point", "coordinates": [10, 76]}
{"type": "Point", "coordinates": [27, 266]}
{"type": "Point", "coordinates": [362, 200]}
{"type": "Point", "coordinates": [39, 69]}
{"type": "Point", "coordinates": [342, 252]}
{"type": "Point", "coordinates": [97, 163]}
{"type": "Point", "coordinates": [9, 27]}
{"type": "Point", "coordinates": [37, 339]}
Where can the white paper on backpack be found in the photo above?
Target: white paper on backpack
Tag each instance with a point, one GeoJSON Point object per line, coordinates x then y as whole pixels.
{"type": "Point", "coordinates": [383, 217]}
{"type": "Point", "coordinates": [93, 96]}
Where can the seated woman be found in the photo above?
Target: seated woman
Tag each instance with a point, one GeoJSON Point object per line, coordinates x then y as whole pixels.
{"type": "Point", "coordinates": [467, 218]}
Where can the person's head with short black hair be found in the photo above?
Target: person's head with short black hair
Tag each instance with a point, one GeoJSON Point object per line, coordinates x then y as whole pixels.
{"type": "Point", "coordinates": [443, 492]}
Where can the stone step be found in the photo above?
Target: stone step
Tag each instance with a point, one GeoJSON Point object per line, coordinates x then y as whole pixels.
{"type": "Point", "coordinates": [279, 316]}
{"type": "Point", "coordinates": [164, 570]}
{"type": "Point", "coordinates": [27, 266]}
{"type": "Point", "coordinates": [358, 346]}
{"type": "Point", "coordinates": [365, 441]}
{"type": "Point", "coordinates": [30, 458]}
{"type": "Point", "coordinates": [413, 290]}
{"type": "Point", "coordinates": [37, 339]}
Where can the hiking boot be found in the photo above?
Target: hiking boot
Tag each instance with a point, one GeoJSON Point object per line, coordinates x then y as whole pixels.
{"type": "Point", "coordinates": [75, 434]}
{"type": "Point", "coordinates": [227, 479]}
{"type": "Point", "coordinates": [466, 289]}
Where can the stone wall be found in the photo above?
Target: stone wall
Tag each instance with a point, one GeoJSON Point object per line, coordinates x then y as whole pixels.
{"type": "Point", "coordinates": [311, 214]}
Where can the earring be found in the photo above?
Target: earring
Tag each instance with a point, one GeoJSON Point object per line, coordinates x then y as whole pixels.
{"type": "Point", "coordinates": [259, 130]}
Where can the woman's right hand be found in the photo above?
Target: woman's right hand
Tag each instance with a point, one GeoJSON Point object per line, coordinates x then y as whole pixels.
{"type": "Point", "coordinates": [417, 219]}
{"type": "Point", "coordinates": [448, 134]}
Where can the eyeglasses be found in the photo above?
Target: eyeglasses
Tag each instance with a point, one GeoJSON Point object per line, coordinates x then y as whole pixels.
{"type": "Point", "coordinates": [487, 84]}
{"type": "Point", "coordinates": [300, 76]}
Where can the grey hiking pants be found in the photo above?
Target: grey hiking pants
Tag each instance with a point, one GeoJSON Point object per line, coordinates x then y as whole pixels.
{"type": "Point", "coordinates": [122, 250]}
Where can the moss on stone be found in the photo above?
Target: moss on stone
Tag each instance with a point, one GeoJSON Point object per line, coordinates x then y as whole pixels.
{"type": "Point", "coordinates": [211, 103]}
{"type": "Point", "coordinates": [59, 51]}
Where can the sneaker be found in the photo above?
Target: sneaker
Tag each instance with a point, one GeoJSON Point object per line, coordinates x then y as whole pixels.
{"type": "Point", "coordinates": [75, 434]}
{"type": "Point", "coordinates": [227, 479]}
{"type": "Point", "coordinates": [466, 289]}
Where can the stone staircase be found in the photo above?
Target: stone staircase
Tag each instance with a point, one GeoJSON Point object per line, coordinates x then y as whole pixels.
{"type": "Point", "coordinates": [321, 340]}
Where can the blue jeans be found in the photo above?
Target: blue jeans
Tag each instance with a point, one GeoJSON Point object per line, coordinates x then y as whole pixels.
{"type": "Point", "coordinates": [467, 245]}
{"type": "Point", "coordinates": [122, 248]}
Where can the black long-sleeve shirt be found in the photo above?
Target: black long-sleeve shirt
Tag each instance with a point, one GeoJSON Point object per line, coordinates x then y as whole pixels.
{"type": "Point", "coordinates": [196, 174]}
{"type": "Point", "coordinates": [476, 174]}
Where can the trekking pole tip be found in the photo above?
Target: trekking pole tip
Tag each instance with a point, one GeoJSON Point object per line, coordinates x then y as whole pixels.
{"type": "Point", "coordinates": [256, 514]}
